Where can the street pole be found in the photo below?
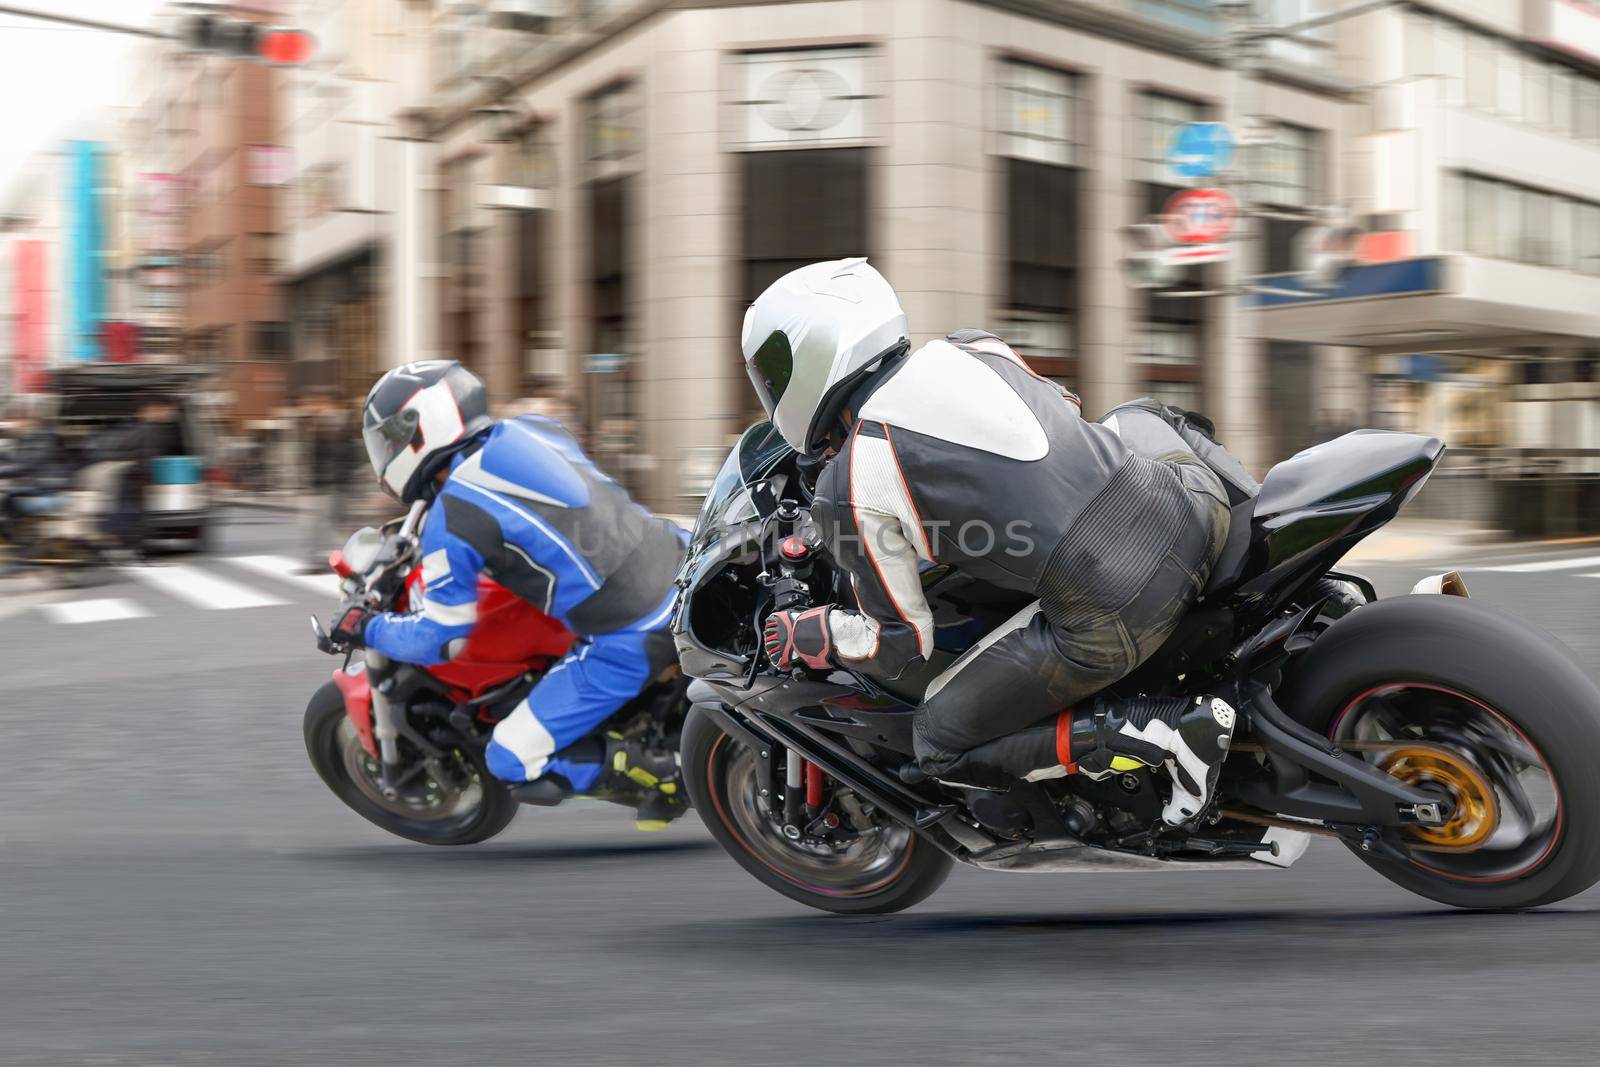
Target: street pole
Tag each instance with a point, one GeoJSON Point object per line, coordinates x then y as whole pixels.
{"type": "Point", "coordinates": [83, 23]}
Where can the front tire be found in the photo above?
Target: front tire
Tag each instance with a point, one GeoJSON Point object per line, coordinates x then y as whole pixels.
{"type": "Point", "coordinates": [483, 808]}
{"type": "Point", "coordinates": [1510, 699]}
{"type": "Point", "coordinates": [717, 771]}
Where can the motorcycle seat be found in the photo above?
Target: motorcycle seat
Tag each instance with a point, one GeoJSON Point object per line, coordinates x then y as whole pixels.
{"type": "Point", "coordinates": [1229, 568]}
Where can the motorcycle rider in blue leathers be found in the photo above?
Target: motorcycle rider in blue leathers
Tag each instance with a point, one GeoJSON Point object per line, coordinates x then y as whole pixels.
{"type": "Point", "coordinates": [518, 501]}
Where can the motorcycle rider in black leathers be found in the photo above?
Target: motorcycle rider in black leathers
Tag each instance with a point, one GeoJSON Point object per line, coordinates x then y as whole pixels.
{"type": "Point", "coordinates": [956, 453]}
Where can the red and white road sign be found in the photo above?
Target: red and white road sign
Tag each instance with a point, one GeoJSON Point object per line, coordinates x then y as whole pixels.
{"type": "Point", "coordinates": [1200, 216]}
{"type": "Point", "coordinates": [1188, 255]}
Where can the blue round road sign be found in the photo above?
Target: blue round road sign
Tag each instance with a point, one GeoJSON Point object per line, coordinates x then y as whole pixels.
{"type": "Point", "coordinates": [1200, 149]}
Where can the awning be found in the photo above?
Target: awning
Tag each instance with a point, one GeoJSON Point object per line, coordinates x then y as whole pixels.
{"type": "Point", "coordinates": [1432, 303]}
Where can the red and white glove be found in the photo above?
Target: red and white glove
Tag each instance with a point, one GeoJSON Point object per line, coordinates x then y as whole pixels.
{"type": "Point", "coordinates": [795, 637]}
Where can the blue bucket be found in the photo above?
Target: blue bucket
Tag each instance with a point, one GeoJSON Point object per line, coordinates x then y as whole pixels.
{"type": "Point", "coordinates": [175, 470]}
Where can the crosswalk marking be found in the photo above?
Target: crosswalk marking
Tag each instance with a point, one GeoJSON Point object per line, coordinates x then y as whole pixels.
{"type": "Point", "coordinates": [1566, 563]}
{"type": "Point", "coordinates": [282, 567]}
{"type": "Point", "coordinates": [200, 588]}
{"type": "Point", "coordinates": [108, 609]}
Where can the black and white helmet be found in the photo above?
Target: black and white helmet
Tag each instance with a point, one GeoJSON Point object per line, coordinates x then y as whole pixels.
{"type": "Point", "coordinates": [416, 417]}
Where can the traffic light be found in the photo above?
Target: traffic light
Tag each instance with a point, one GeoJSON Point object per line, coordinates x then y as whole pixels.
{"type": "Point", "coordinates": [243, 39]}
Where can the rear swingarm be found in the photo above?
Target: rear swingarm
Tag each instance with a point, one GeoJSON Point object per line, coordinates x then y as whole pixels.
{"type": "Point", "coordinates": [1360, 794]}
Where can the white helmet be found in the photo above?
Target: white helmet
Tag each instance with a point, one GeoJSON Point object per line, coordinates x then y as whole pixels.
{"type": "Point", "coordinates": [811, 336]}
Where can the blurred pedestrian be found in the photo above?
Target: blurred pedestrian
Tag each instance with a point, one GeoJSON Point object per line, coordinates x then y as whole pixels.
{"type": "Point", "coordinates": [31, 463]}
{"type": "Point", "coordinates": [140, 444]}
{"type": "Point", "coordinates": [330, 431]}
{"type": "Point", "coordinates": [548, 396]}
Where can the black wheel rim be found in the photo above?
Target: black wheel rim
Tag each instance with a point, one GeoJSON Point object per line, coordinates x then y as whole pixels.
{"type": "Point", "coordinates": [1526, 793]}
{"type": "Point", "coordinates": [872, 863]}
{"type": "Point", "coordinates": [444, 796]}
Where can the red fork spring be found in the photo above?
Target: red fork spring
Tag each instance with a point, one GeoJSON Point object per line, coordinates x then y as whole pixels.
{"type": "Point", "coordinates": [813, 786]}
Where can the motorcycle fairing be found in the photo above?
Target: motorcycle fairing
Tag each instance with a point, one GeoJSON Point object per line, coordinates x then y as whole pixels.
{"type": "Point", "coordinates": [357, 692]}
{"type": "Point", "coordinates": [511, 636]}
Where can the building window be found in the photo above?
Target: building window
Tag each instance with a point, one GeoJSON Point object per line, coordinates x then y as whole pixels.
{"type": "Point", "coordinates": [1586, 255]}
{"type": "Point", "coordinates": [1586, 109]}
{"type": "Point", "coordinates": [1300, 51]}
{"type": "Point", "coordinates": [809, 97]}
{"type": "Point", "coordinates": [1508, 80]}
{"type": "Point", "coordinates": [613, 131]}
{"type": "Point", "coordinates": [1199, 16]}
{"type": "Point", "coordinates": [1289, 168]}
{"type": "Point", "coordinates": [1041, 260]}
{"type": "Point", "coordinates": [1158, 119]}
{"type": "Point", "coordinates": [1498, 219]}
{"type": "Point", "coordinates": [1038, 113]}
{"type": "Point", "coordinates": [269, 340]}
{"type": "Point", "coordinates": [533, 158]}
{"type": "Point", "coordinates": [211, 346]}
{"type": "Point", "coordinates": [1169, 350]}
{"type": "Point", "coordinates": [208, 266]}
{"type": "Point", "coordinates": [1482, 71]}
{"type": "Point", "coordinates": [261, 253]}
{"type": "Point", "coordinates": [1449, 57]}
{"type": "Point", "coordinates": [1037, 130]}
{"type": "Point", "coordinates": [801, 207]}
{"type": "Point", "coordinates": [1503, 78]}
{"type": "Point", "coordinates": [1168, 344]}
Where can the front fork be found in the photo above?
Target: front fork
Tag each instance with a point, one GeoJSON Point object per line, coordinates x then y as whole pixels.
{"type": "Point", "coordinates": [802, 794]}
{"type": "Point", "coordinates": [385, 719]}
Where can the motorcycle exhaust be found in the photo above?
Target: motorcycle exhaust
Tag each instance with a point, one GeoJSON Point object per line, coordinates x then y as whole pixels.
{"type": "Point", "coordinates": [1450, 583]}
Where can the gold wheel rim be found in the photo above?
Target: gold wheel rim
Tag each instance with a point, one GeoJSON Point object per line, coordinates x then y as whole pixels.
{"type": "Point", "coordinates": [1475, 815]}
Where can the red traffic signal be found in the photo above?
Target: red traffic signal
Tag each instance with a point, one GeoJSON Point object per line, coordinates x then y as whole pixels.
{"type": "Point", "coordinates": [243, 39]}
{"type": "Point", "coordinates": [286, 47]}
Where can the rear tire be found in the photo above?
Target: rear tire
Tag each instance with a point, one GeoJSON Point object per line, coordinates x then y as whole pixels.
{"type": "Point", "coordinates": [710, 759]}
{"type": "Point", "coordinates": [1517, 674]}
{"type": "Point", "coordinates": [328, 750]}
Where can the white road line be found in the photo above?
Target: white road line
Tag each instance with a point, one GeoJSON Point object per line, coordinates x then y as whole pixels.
{"type": "Point", "coordinates": [326, 583]}
{"type": "Point", "coordinates": [199, 588]}
{"type": "Point", "coordinates": [1566, 563]}
{"type": "Point", "coordinates": [105, 610]}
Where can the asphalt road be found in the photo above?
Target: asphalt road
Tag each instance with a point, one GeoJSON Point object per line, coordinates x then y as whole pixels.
{"type": "Point", "coordinates": [177, 887]}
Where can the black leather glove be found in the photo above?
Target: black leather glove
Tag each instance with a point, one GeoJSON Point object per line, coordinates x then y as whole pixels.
{"type": "Point", "coordinates": [798, 637]}
{"type": "Point", "coordinates": [349, 628]}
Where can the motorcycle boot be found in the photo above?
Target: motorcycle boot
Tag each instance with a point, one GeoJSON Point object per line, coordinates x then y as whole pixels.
{"type": "Point", "coordinates": [1186, 737]}
{"type": "Point", "coordinates": [650, 773]}
{"type": "Point", "coordinates": [1189, 738]}
{"type": "Point", "coordinates": [545, 792]}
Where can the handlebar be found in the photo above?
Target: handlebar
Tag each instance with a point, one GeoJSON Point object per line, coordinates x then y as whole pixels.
{"type": "Point", "coordinates": [378, 585]}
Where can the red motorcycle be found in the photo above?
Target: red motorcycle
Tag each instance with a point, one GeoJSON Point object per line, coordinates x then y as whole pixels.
{"type": "Point", "coordinates": [403, 745]}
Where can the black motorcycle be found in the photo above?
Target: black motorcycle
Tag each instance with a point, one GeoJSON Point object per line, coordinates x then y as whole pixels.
{"type": "Point", "coordinates": [1451, 746]}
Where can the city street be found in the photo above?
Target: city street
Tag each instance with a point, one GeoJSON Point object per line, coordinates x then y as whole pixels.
{"type": "Point", "coordinates": [176, 886]}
